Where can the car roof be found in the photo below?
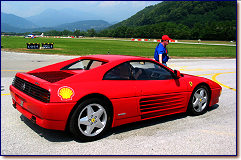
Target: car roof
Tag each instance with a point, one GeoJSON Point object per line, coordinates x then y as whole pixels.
{"type": "Point", "coordinates": [112, 58]}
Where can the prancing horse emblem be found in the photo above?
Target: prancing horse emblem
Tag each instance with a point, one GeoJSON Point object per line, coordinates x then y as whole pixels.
{"type": "Point", "coordinates": [24, 86]}
{"type": "Point", "coordinates": [190, 83]}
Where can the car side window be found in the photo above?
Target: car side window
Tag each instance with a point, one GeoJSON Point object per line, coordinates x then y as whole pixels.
{"type": "Point", "coordinates": [96, 64]}
{"type": "Point", "coordinates": [146, 70]}
{"type": "Point", "coordinates": [120, 72]}
{"type": "Point", "coordinates": [85, 64]}
{"type": "Point", "coordinates": [79, 65]}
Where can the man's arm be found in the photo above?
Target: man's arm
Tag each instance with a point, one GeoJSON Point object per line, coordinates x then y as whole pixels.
{"type": "Point", "coordinates": [160, 51]}
{"type": "Point", "coordinates": [160, 58]}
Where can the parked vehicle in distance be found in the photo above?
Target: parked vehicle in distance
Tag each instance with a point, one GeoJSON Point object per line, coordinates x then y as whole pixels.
{"type": "Point", "coordinates": [34, 36]}
{"type": "Point", "coordinates": [90, 94]}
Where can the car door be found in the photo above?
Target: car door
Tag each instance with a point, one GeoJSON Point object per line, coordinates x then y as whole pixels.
{"type": "Point", "coordinates": [160, 93]}
{"type": "Point", "coordinates": [122, 91]}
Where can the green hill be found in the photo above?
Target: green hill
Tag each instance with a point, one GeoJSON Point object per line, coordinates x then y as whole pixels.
{"type": "Point", "coordinates": [183, 12]}
{"type": "Point", "coordinates": [209, 20]}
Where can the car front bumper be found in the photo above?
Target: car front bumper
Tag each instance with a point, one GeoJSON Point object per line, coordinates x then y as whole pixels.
{"type": "Point", "coordinates": [216, 93]}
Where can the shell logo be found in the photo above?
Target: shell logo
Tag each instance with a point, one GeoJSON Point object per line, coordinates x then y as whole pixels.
{"type": "Point", "coordinates": [65, 93]}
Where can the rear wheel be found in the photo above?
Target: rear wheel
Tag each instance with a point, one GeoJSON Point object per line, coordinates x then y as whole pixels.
{"type": "Point", "coordinates": [91, 120]}
{"type": "Point", "coordinates": [199, 100]}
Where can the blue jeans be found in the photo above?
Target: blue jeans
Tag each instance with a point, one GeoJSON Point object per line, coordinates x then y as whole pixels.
{"type": "Point", "coordinates": [164, 64]}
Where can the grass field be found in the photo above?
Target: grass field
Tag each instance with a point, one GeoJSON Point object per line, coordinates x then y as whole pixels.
{"type": "Point", "coordinates": [103, 46]}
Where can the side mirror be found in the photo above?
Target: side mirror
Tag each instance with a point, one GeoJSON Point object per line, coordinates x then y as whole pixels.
{"type": "Point", "coordinates": [177, 74]}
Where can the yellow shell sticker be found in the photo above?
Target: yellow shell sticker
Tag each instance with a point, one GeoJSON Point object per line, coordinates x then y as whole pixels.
{"type": "Point", "coordinates": [190, 83]}
{"type": "Point", "coordinates": [65, 93]}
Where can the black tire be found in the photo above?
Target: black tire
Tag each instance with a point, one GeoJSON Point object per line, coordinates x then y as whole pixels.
{"type": "Point", "coordinates": [91, 119]}
{"type": "Point", "coordinates": [199, 101]}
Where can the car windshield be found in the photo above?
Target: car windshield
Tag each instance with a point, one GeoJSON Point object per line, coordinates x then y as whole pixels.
{"type": "Point", "coordinates": [84, 64]}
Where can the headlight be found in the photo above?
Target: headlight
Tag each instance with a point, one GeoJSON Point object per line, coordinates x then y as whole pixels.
{"type": "Point", "coordinates": [13, 80]}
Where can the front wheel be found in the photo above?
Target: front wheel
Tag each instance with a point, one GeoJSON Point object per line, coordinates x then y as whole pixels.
{"type": "Point", "coordinates": [199, 101]}
{"type": "Point", "coordinates": [91, 120]}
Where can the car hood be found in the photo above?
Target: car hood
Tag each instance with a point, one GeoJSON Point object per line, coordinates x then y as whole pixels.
{"type": "Point", "coordinates": [195, 80]}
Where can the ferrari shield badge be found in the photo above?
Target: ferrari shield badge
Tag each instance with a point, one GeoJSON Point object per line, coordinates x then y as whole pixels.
{"type": "Point", "coordinates": [65, 93]}
{"type": "Point", "coordinates": [190, 83]}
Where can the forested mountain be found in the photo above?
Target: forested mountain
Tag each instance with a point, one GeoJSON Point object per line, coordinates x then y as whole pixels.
{"type": "Point", "coordinates": [15, 21]}
{"type": "Point", "coordinates": [53, 18]}
{"type": "Point", "coordinates": [8, 28]}
{"type": "Point", "coordinates": [183, 12]}
{"type": "Point", "coordinates": [84, 25]}
{"type": "Point", "coordinates": [214, 20]}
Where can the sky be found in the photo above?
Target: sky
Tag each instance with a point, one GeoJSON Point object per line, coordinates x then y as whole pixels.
{"type": "Point", "coordinates": [118, 10]}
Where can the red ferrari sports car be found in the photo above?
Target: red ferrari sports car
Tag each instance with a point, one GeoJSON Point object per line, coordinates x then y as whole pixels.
{"type": "Point", "coordinates": [90, 94]}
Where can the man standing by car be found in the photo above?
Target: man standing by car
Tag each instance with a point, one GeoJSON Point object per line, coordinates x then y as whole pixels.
{"type": "Point", "coordinates": [161, 53]}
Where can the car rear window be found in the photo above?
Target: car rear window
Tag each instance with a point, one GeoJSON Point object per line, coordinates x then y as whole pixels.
{"type": "Point", "coordinates": [84, 64]}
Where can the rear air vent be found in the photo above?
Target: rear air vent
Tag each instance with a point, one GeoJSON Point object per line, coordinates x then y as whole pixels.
{"type": "Point", "coordinates": [52, 76]}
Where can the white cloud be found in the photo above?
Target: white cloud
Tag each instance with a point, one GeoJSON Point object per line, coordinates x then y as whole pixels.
{"type": "Point", "coordinates": [143, 4]}
{"type": "Point", "coordinates": [5, 8]}
{"type": "Point", "coordinates": [139, 3]}
{"type": "Point", "coordinates": [111, 3]}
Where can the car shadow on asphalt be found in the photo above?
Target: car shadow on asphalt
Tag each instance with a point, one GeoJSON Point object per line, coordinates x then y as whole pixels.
{"type": "Point", "coordinates": [50, 135]}
{"type": "Point", "coordinates": [215, 106]}
{"type": "Point", "coordinates": [152, 122]}
{"type": "Point", "coordinates": [146, 123]}
{"type": "Point", "coordinates": [65, 136]}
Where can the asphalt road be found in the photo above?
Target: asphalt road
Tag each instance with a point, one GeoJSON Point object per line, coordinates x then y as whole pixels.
{"type": "Point", "coordinates": [213, 133]}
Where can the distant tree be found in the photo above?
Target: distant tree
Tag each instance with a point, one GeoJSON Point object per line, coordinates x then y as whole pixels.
{"type": "Point", "coordinates": [77, 33]}
{"type": "Point", "coordinates": [83, 33]}
{"type": "Point", "coordinates": [104, 33]}
{"type": "Point", "coordinates": [129, 32]}
{"type": "Point", "coordinates": [196, 31]}
{"type": "Point", "coordinates": [27, 33]}
{"type": "Point", "coordinates": [67, 33]}
{"type": "Point", "coordinates": [53, 33]}
{"type": "Point", "coordinates": [120, 32]}
{"type": "Point", "coordinates": [91, 33]}
{"type": "Point", "coordinates": [36, 33]}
